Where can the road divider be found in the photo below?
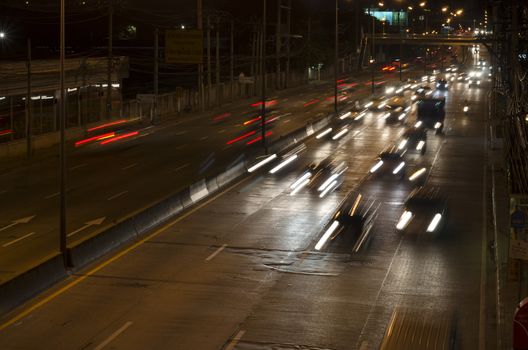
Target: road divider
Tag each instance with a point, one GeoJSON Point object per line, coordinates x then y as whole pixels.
{"type": "Point", "coordinates": [107, 239]}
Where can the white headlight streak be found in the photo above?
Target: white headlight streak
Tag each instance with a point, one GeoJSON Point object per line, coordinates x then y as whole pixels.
{"type": "Point", "coordinates": [398, 168]}
{"type": "Point", "coordinates": [300, 180]}
{"type": "Point", "coordinates": [327, 131]}
{"type": "Point", "coordinates": [261, 163]}
{"type": "Point", "coordinates": [434, 223]}
{"type": "Point", "coordinates": [283, 164]}
{"type": "Point", "coordinates": [402, 144]}
{"type": "Point", "coordinates": [327, 235]}
{"type": "Point", "coordinates": [376, 166]}
{"type": "Point", "coordinates": [327, 182]}
{"type": "Point", "coordinates": [417, 174]}
{"type": "Point", "coordinates": [404, 220]}
{"type": "Point", "coordinates": [420, 145]}
{"type": "Point", "coordinates": [339, 134]}
{"type": "Point", "coordinates": [346, 115]}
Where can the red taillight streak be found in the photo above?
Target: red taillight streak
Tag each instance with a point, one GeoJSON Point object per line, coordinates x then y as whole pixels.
{"type": "Point", "coordinates": [6, 132]}
{"type": "Point", "coordinates": [258, 138]}
{"type": "Point", "coordinates": [241, 137]}
{"type": "Point", "coordinates": [309, 103]}
{"type": "Point", "coordinates": [259, 103]}
{"type": "Point", "coordinates": [120, 137]}
{"type": "Point", "coordinates": [222, 116]}
{"type": "Point", "coordinates": [340, 80]}
{"type": "Point", "coordinates": [117, 122]}
{"type": "Point", "coordinates": [94, 138]}
{"type": "Point", "coordinates": [247, 122]}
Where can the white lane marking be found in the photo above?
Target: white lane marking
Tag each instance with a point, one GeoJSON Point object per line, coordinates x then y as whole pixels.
{"type": "Point", "coordinates": [78, 166]}
{"type": "Point", "coordinates": [52, 195]}
{"type": "Point", "coordinates": [204, 138]}
{"type": "Point", "coordinates": [375, 304]}
{"type": "Point", "coordinates": [221, 131]}
{"type": "Point", "coordinates": [235, 340]}
{"type": "Point", "coordinates": [181, 146]}
{"type": "Point", "coordinates": [181, 133]}
{"type": "Point", "coordinates": [113, 336]}
{"type": "Point", "coordinates": [88, 224]}
{"type": "Point", "coordinates": [216, 252]}
{"type": "Point", "coordinates": [116, 195]}
{"type": "Point", "coordinates": [129, 166]}
{"type": "Point", "coordinates": [181, 167]}
{"type": "Point", "coordinates": [18, 239]}
{"type": "Point", "coordinates": [18, 221]}
{"type": "Point", "coordinates": [287, 121]}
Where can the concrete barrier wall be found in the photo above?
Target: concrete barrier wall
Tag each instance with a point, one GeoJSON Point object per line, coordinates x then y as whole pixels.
{"type": "Point", "coordinates": [27, 285]}
{"type": "Point", "coordinates": [20, 289]}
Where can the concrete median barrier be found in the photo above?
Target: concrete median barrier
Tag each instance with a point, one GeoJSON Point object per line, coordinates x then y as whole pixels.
{"type": "Point", "coordinates": [96, 246]}
{"type": "Point", "coordinates": [25, 286]}
{"type": "Point", "coordinates": [29, 284]}
{"type": "Point", "coordinates": [231, 174]}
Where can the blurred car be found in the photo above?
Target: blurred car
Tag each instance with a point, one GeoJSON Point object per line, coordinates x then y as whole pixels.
{"type": "Point", "coordinates": [350, 228]}
{"type": "Point", "coordinates": [423, 329]}
{"type": "Point", "coordinates": [414, 139]}
{"type": "Point", "coordinates": [431, 112]}
{"type": "Point", "coordinates": [424, 212]}
{"type": "Point", "coordinates": [323, 177]}
{"type": "Point", "coordinates": [396, 109]}
{"type": "Point", "coordinates": [388, 68]}
{"type": "Point", "coordinates": [442, 84]}
{"type": "Point", "coordinates": [423, 91]}
{"type": "Point", "coordinates": [376, 103]}
{"type": "Point", "coordinates": [389, 163]}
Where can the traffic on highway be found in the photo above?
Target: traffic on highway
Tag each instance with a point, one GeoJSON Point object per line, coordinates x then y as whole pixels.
{"type": "Point", "coordinates": [362, 217]}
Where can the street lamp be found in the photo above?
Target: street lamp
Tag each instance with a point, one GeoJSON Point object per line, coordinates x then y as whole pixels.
{"type": "Point", "coordinates": [2, 35]}
{"type": "Point", "coordinates": [422, 4]}
{"type": "Point", "coordinates": [444, 9]}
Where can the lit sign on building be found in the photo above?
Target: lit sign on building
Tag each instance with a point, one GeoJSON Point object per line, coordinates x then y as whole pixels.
{"type": "Point", "coordinates": [395, 18]}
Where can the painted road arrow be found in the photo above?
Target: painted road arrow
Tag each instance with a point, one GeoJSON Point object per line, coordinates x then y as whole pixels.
{"type": "Point", "coordinates": [19, 221]}
{"type": "Point", "coordinates": [88, 224]}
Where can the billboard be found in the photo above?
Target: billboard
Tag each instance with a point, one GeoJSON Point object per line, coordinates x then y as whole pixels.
{"type": "Point", "coordinates": [183, 46]}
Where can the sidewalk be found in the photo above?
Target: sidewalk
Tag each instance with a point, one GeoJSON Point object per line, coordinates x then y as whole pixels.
{"type": "Point", "coordinates": [507, 292]}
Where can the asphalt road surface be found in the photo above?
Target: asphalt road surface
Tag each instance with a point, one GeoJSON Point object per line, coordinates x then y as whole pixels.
{"type": "Point", "coordinates": [106, 183]}
{"type": "Point", "coordinates": [240, 270]}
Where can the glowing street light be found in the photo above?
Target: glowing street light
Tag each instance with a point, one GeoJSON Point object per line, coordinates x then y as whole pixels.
{"type": "Point", "coordinates": [381, 4]}
{"type": "Point", "coordinates": [422, 4]}
{"type": "Point", "coordinates": [2, 35]}
{"type": "Point", "coordinates": [459, 12]}
{"type": "Point", "coordinates": [410, 8]}
{"type": "Point", "coordinates": [444, 9]}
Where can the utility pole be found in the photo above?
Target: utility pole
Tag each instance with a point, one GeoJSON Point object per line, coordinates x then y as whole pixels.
{"type": "Point", "coordinates": [28, 101]}
{"type": "Point", "coordinates": [156, 75]}
{"type": "Point", "coordinates": [278, 39]}
{"type": "Point", "coordinates": [110, 59]}
{"type": "Point", "coordinates": [199, 25]}
{"type": "Point", "coordinates": [232, 59]}
{"type": "Point", "coordinates": [62, 151]}
{"type": "Point", "coordinates": [263, 77]}
{"type": "Point", "coordinates": [217, 70]}
{"type": "Point", "coordinates": [209, 77]}
{"type": "Point", "coordinates": [288, 49]}
{"type": "Point", "coordinates": [372, 50]}
{"type": "Point", "coordinates": [336, 58]}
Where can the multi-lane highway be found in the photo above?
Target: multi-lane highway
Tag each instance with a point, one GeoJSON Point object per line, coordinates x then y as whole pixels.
{"type": "Point", "coordinates": [241, 270]}
{"type": "Point", "coordinates": [107, 182]}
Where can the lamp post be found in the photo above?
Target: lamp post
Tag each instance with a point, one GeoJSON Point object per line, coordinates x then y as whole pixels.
{"type": "Point", "coordinates": [62, 151]}
{"type": "Point", "coordinates": [263, 78]}
{"type": "Point", "coordinates": [336, 58]}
